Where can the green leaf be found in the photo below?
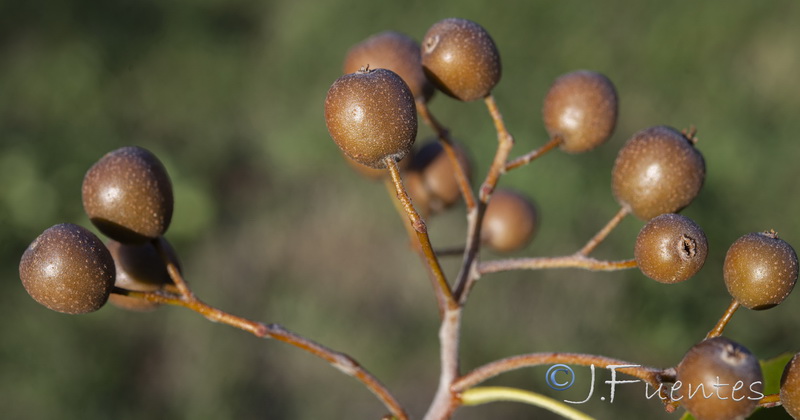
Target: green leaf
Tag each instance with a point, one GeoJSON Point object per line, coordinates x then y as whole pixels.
{"type": "Point", "coordinates": [773, 370]}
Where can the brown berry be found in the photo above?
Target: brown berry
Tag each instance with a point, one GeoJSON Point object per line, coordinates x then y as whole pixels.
{"type": "Point", "coordinates": [396, 52]}
{"type": "Point", "coordinates": [418, 192]}
{"type": "Point", "coordinates": [439, 174]}
{"type": "Point", "coordinates": [670, 248]}
{"type": "Point", "coordinates": [719, 379]}
{"type": "Point", "coordinates": [790, 387]}
{"type": "Point", "coordinates": [581, 109]}
{"type": "Point", "coordinates": [461, 59]}
{"type": "Point", "coordinates": [371, 115]}
{"type": "Point", "coordinates": [510, 221]}
{"type": "Point", "coordinates": [127, 194]}
{"type": "Point", "coordinates": [140, 268]}
{"type": "Point", "coordinates": [760, 270]}
{"type": "Point", "coordinates": [68, 269]}
{"type": "Point", "coordinates": [657, 171]}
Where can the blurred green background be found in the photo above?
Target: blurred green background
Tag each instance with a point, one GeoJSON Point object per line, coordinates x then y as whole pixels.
{"type": "Point", "coordinates": [272, 225]}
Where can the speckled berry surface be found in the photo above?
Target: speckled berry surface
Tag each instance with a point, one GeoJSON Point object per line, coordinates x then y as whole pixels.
{"type": "Point", "coordinates": [790, 387]}
{"type": "Point", "coordinates": [760, 270]}
{"type": "Point", "coordinates": [461, 59]}
{"type": "Point", "coordinates": [581, 108]}
{"type": "Point", "coordinates": [670, 248]}
{"type": "Point", "coordinates": [510, 221]}
{"type": "Point", "coordinates": [371, 115]}
{"type": "Point", "coordinates": [68, 269]}
{"type": "Point", "coordinates": [657, 171]}
{"type": "Point", "coordinates": [394, 51]}
{"type": "Point", "coordinates": [719, 360]}
{"type": "Point", "coordinates": [128, 195]}
{"type": "Point", "coordinates": [439, 173]}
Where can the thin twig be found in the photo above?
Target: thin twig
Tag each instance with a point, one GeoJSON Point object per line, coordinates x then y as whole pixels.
{"type": "Point", "coordinates": [769, 401]}
{"type": "Point", "coordinates": [340, 361]}
{"type": "Point", "coordinates": [444, 295]}
{"type": "Point", "coordinates": [603, 233]}
{"type": "Point", "coordinates": [450, 252]}
{"type": "Point", "coordinates": [505, 143]}
{"type": "Point", "coordinates": [447, 143]}
{"type": "Point", "coordinates": [533, 155]}
{"type": "Point", "coordinates": [412, 234]}
{"type": "Point", "coordinates": [468, 274]}
{"type": "Point", "coordinates": [648, 374]}
{"type": "Point", "coordinates": [172, 268]}
{"type": "Point", "coordinates": [539, 263]}
{"type": "Point", "coordinates": [723, 321]}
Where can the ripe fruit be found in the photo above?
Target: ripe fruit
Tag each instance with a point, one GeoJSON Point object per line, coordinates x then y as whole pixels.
{"type": "Point", "coordinates": [760, 270]}
{"type": "Point", "coordinates": [371, 115]}
{"type": "Point", "coordinates": [139, 268]}
{"type": "Point", "coordinates": [396, 52]}
{"type": "Point", "coordinates": [438, 174]}
{"type": "Point", "coordinates": [657, 171]}
{"type": "Point", "coordinates": [719, 379]}
{"type": "Point", "coordinates": [461, 59]}
{"type": "Point", "coordinates": [68, 269]}
{"type": "Point", "coordinates": [510, 221]}
{"type": "Point", "coordinates": [581, 108]}
{"type": "Point", "coordinates": [790, 387]}
{"type": "Point", "coordinates": [128, 195]}
{"type": "Point", "coordinates": [670, 248]}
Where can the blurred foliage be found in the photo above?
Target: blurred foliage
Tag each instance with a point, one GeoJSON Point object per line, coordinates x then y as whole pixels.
{"type": "Point", "coordinates": [271, 224]}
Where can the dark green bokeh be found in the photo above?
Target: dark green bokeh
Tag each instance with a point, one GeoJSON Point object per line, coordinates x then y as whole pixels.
{"type": "Point", "coordinates": [271, 224]}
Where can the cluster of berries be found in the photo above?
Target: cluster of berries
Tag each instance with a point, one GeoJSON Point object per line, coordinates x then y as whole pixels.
{"type": "Point", "coordinates": [371, 114]}
{"type": "Point", "coordinates": [127, 195]}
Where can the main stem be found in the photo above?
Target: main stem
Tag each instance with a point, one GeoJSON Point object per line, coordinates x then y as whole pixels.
{"type": "Point", "coordinates": [445, 401]}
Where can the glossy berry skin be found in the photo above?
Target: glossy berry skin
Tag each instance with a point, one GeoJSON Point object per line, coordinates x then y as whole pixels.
{"type": "Point", "coordinates": [727, 364]}
{"type": "Point", "coordinates": [140, 268]}
{"type": "Point", "coordinates": [790, 387]}
{"type": "Point", "coordinates": [438, 173]}
{"type": "Point", "coordinates": [394, 51]}
{"type": "Point", "coordinates": [510, 221]}
{"type": "Point", "coordinates": [127, 194]}
{"type": "Point", "coordinates": [670, 248]}
{"type": "Point", "coordinates": [657, 171]}
{"type": "Point", "coordinates": [581, 109]}
{"type": "Point", "coordinates": [371, 115]}
{"type": "Point", "coordinates": [760, 270]}
{"type": "Point", "coordinates": [68, 269]}
{"type": "Point", "coordinates": [461, 59]}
